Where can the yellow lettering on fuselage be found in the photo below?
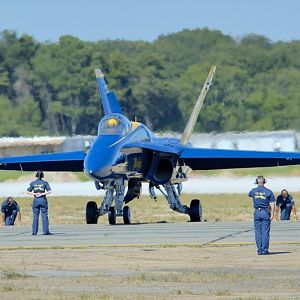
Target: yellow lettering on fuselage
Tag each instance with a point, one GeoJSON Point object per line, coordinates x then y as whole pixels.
{"type": "Point", "coordinates": [137, 163]}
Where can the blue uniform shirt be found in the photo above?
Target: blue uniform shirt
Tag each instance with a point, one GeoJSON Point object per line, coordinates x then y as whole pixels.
{"type": "Point", "coordinates": [282, 203]}
{"type": "Point", "coordinates": [8, 209]}
{"type": "Point", "coordinates": [261, 197]}
{"type": "Point", "coordinates": [39, 186]}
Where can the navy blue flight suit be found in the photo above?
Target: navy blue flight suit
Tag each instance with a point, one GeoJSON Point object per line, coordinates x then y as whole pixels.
{"type": "Point", "coordinates": [10, 212]}
{"type": "Point", "coordinates": [262, 197]}
{"type": "Point", "coordinates": [286, 206]}
{"type": "Point", "coordinates": [39, 204]}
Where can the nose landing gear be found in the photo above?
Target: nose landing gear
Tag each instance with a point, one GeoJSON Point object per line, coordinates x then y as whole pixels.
{"type": "Point", "coordinates": [114, 192]}
{"type": "Point", "coordinates": [112, 217]}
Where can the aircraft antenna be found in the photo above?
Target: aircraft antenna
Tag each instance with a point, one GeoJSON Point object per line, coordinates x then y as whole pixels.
{"type": "Point", "coordinates": [195, 113]}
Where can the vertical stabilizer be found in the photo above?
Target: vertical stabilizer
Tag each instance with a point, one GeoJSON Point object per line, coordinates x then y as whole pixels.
{"type": "Point", "coordinates": [109, 99]}
{"type": "Point", "coordinates": [195, 113]}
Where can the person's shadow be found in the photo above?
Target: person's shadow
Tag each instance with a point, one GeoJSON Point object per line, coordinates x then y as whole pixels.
{"type": "Point", "coordinates": [279, 252]}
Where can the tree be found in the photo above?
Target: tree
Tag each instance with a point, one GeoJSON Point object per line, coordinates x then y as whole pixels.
{"type": "Point", "coordinates": [49, 88]}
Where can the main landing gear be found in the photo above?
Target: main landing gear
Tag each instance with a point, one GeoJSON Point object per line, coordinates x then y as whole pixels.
{"type": "Point", "coordinates": [171, 195]}
{"type": "Point", "coordinates": [115, 192]}
{"type": "Point", "coordinates": [126, 215]}
{"type": "Point", "coordinates": [91, 213]}
{"type": "Point", "coordinates": [195, 211]}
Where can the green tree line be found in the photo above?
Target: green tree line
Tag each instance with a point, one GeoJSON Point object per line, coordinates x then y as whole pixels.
{"type": "Point", "coordinates": [49, 88]}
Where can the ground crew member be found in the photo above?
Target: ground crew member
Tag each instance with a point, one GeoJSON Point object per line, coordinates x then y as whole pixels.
{"type": "Point", "coordinates": [286, 204]}
{"type": "Point", "coordinates": [9, 211]}
{"type": "Point", "coordinates": [264, 205]}
{"type": "Point", "coordinates": [39, 189]}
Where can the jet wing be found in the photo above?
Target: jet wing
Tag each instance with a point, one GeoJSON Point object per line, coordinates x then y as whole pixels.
{"type": "Point", "coordinates": [211, 159]}
{"type": "Point", "coordinates": [64, 161]}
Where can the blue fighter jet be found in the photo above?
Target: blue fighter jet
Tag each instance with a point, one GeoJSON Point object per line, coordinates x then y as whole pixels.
{"type": "Point", "coordinates": [128, 153]}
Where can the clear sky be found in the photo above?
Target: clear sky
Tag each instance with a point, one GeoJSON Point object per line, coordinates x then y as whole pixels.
{"type": "Point", "coordinates": [147, 19]}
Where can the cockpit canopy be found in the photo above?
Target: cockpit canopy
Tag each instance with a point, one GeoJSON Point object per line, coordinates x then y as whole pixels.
{"type": "Point", "coordinates": [114, 124]}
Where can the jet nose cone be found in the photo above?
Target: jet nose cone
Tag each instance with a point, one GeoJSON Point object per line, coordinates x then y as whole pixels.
{"type": "Point", "coordinates": [99, 173]}
{"type": "Point", "coordinates": [100, 158]}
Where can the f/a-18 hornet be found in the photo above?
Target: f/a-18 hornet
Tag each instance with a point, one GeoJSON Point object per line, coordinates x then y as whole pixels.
{"type": "Point", "coordinates": [128, 153]}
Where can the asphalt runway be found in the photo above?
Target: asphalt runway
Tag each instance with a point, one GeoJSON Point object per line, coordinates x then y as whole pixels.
{"type": "Point", "coordinates": [214, 233]}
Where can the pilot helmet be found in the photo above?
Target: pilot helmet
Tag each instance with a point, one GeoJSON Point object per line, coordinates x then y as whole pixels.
{"type": "Point", "coordinates": [112, 122]}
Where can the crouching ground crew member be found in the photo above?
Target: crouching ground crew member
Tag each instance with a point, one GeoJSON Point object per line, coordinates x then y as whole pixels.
{"type": "Point", "coordinates": [263, 200]}
{"type": "Point", "coordinates": [9, 211]}
{"type": "Point", "coordinates": [286, 204]}
{"type": "Point", "coordinates": [39, 189]}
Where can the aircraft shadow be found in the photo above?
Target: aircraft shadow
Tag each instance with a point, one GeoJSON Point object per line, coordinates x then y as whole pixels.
{"type": "Point", "coordinates": [144, 223]}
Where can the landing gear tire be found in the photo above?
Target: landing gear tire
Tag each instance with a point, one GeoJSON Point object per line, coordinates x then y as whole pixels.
{"type": "Point", "coordinates": [91, 215]}
{"type": "Point", "coordinates": [126, 215]}
{"type": "Point", "coordinates": [195, 211]}
{"type": "Point", "coordinates": [112, 216]}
